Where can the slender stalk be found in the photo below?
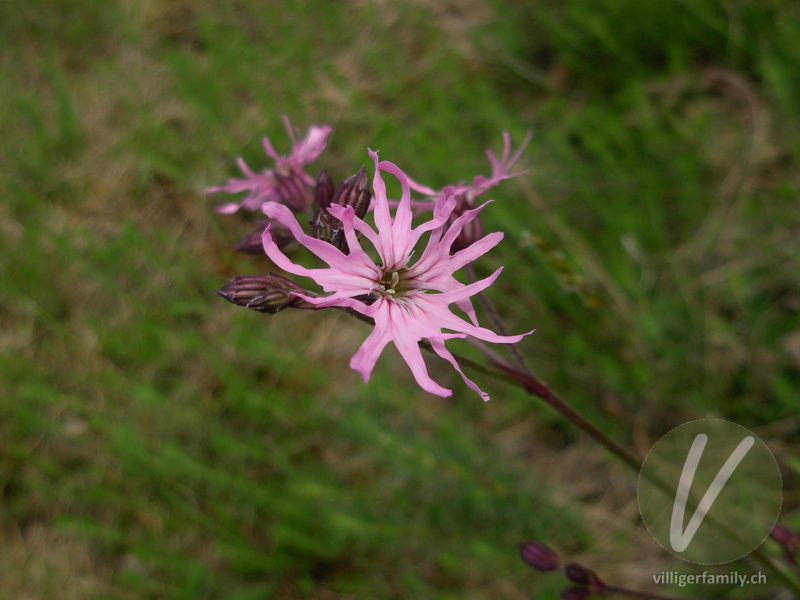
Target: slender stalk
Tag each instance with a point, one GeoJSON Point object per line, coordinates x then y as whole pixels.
{"type": "Point", "coordinates": [536, 388]}
{"type": "Point", "coordinates": [525, 379]}
{"type": "Point", "coordinates": [539, 389]}
{"type": "Point", "coordinates": [496, 322]}
{"type": "Point", "coordinates": [533, 386]}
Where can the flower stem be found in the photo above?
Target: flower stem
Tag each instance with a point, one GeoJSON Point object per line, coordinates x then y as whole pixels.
{"type": "Point", "coordinates": [496, 322]}
{"type": "Point", "coordinates": [537, 388]}
{"type": "Point", "coordinates": [524, 379]}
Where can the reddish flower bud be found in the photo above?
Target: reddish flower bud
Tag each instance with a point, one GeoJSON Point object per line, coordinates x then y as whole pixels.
{"type": "Point", "coordinates": [354, 191]}
{"type": "Point", "coordinates": [322, 224]}
{"type": "Point", "coordinates": [539, 556]}
{"type": "Point", "coordinates": [472, 231]}
{"type": "Point", "coordinates": [263, 293]}
{"type": "Point", "coordinates": [789, 541]}
{"type": "Point", "coordinates": [580, 574]}
{"type": "Point", "coordinates": [575, 593]}
{"type": "Point", "coordinates": [323, 191]}
{"type": "Point", "coordinates": [293, 191]}
{"type": "Point", "coordinates": [253, 243]}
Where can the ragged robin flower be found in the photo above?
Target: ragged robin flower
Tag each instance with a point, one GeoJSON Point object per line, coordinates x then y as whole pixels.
{"type": "Point", "coordinates": [287, 183]}
{"type": "Point", "coordinates": [466, 194]}
{"type": "Point", "coordinates": [408, 300]}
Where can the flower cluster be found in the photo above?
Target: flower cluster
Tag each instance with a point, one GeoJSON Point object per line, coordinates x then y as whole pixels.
{"type": "Point", "coordinates": [543, 558]}
{"type": "Point", "coordinates": [287, 183]}
{"type": "Point", "coordinates": [371, 269]}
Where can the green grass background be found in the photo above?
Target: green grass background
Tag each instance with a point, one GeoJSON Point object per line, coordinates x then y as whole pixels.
{"type": "Point", "coordinates": [157, 442]}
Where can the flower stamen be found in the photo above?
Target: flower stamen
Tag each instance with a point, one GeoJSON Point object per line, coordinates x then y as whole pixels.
{"type": "Point", "coordinates": [390, 287]}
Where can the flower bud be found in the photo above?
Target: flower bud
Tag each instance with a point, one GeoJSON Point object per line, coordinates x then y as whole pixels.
{"type": "Point", "coordinates": [575, 593]}
{"type": "Point", "coordinates": [789, 541]}
{"type": "Point", "coordinates": [580, 574]}
{"type": "Point", "coordinates": [263, 293]}
{"type": "Point", "coordinates": [472, 231]}
{"type": "Point", "coordinates": [354, 191]}
{"type": "Point", "coordinates": [337, 238]}
{"type": "Point", "coordinates": [252, 243]}
{"type": "Point", "coordinates": [322, 224]}
{"type": "Point", "coordinates": [539, 556]}
{"type": "Point", "coordinates": [293, 191]}
{"type": "Point", "coordinates": [323, 192]}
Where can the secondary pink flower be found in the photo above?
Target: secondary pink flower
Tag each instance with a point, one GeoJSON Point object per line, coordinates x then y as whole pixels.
{"type": "Point", "coordinates": [287, 183]}
{"type": "Point", "coordinates": [501, 170]}
{"type": "Point", "coordinates": [466, 194]}
{"type": "Point", "coordinates": [411, 300]}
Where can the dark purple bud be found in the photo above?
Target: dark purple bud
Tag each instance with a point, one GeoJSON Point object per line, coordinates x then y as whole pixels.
{"type": "Point", "coordinates": [252, 243]}
{"type": "Point", "coordinates": [785, 537]}
{"type": "Point", "coordinates": [472, 231]}
{"type": "Point", "coordinates": [789, 541]}
{"type": "Point", "coordinates": [354, 191]}
{"type": "Point", "coordinates": [575, 593]}
{"type": "Point", "coordinates": [539, 556]}
{"type": "Point", "coordinates": [263, 293]}
{"type": "Point", "coordinates": [580, 574]}
{"type": "Point", "coordinates": [293, 191]}
{"type": "Point", "coordinates": [322, 224]}
{"type": "Point", "coordinates": [337, 238]}
{"type": "Point", "coordinates": [323, 192]}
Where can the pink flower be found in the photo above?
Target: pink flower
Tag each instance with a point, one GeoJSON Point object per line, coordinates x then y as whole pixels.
{"type": "Point", "coordinates": [501, 170]}
{"type": "Point", "coordinates": [287, 183]}
{"type": "Point", "coordinates": [465, 195]}
{"type": "Point", "coordinates": [411, 299]}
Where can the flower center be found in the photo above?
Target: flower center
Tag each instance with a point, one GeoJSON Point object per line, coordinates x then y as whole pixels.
{"type": "Point", "coordinates": [389, 283]}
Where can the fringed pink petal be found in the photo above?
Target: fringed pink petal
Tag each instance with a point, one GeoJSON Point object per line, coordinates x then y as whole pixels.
{"type": "Point", "coordinates": [367, 355]}
{"type": "Point", "coordinates": [411, 353]}
{"type": "Point", "coordinates": [440, 349]}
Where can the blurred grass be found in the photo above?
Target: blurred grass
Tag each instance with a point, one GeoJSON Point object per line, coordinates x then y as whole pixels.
{"type": "Point", "coordinates": [157, 443]}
